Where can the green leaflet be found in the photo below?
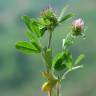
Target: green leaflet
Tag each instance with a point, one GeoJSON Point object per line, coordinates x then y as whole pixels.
{"type": "Point", "coordinates": [27, 47]}
{"type": "Point", "coordinates": [66, 17]}
{"type": "Point", "coordinates": [33, 40]}
{"type": "Point", "coordinates": [26, 20]}
{"type": "Point", "coordinates": [69, 59]}
{"type": "Point", "coordinates": [31, 36]}
{"type": "Point", "coordinates": [34, 43]}
{"type": "Point", "coordinates": [79, 58]}
{"type": "Point", "coordinates": [59, 67]}
{"type": "Point", "coordinates": [35, 28]}
{"type": "Point", "coordinates": [63, 12]}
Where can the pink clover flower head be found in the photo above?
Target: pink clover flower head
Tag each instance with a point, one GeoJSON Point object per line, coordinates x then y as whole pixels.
{"type": "Point", "coordinates": [78, 26]}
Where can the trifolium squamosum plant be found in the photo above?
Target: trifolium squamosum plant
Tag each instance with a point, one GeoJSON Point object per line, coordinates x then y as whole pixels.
{"type": "Point", "coordinates": [56, 67]}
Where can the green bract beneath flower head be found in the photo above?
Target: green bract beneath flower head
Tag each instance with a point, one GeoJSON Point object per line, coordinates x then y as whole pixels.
{"type": "Point", "coordinates": [48, 18]}
{"type": "Point", "coordinates": [77, 27]}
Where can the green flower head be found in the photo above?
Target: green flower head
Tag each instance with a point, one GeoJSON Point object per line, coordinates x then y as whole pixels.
{"type": "Point", "coordinates": [48, 18]}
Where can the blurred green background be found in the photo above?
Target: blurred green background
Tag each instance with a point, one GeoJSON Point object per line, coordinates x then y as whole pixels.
{"type": "Point", "coordinates": [20, 75]}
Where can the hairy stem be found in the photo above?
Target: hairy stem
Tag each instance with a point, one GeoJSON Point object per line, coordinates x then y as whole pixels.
{"type": "Point", "coordinates": [50, 37]}
{"type": "Point", "coordinates": [68, 41]}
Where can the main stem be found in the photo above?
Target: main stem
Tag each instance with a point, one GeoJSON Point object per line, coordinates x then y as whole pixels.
{"type": "Point", "coordinates": [49, 45]}
{"type": "Point", "coordinates": [50, 38]}
{"type": "Point", "coordinates": [58, 89]}
{"type": "Point", "coordinates": [49, 93]}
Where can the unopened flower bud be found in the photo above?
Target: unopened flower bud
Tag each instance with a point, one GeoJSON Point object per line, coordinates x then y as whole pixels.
{"type": "Point", "coordinates": [77, 27]}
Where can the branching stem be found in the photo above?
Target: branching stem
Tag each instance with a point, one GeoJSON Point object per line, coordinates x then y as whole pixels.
{"type": "Point", "coordinates": [74, 68]}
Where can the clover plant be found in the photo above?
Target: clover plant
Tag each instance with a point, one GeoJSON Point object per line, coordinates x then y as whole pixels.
{"type": "Point", "coordinates": [56, 67]}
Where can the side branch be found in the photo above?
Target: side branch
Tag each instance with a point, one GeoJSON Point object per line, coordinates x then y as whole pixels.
{"type": "Point", "coordinates": [74, 68]}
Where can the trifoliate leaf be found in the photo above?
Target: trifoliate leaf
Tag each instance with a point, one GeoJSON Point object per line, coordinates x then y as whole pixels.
{"type": "Point", "coordinates": [33, 25]}
{"type": "Point", "coordinates": [62, 60]}
{"type": "Point", "coordinates": [27, 47]}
